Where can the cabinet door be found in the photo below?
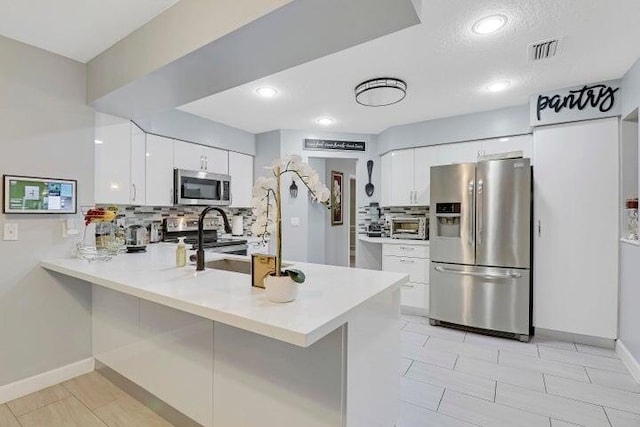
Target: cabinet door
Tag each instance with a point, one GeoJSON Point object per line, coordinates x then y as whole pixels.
{"type": "Point", "coordinates": [402, 177]}
{"type": "Point", "coordinates": [159, 171]}
{"type": "Point", "coordinates": [187, 156]}
{"type": "Point", "coordinates": [216, 160]}
{"type": "Point", "coordinates": [415, 295]}
{"type": "Point", "coordinates": [386, 180]}
{"type": "Point", "coordinates": [138, 165]}
{"type": "Point", "coordinates": [241, 171]}
{"type": "Point", "coordinates": [423, 159]}
{"type": "Point", "coordinates": [462, 152]}
{"type": "Point", "coordinates": [576, 228]}
{"type": "Point", "coordinates": [417, 268]}
{"type": "Point", "coordinates": [522, 143]}
{"type": "Point", "coordinates": [112, 159]}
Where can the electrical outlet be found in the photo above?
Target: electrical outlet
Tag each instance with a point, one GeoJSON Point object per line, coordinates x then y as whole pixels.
{"type": "Point", "coordinates": [10, 231]}
{"type": "Point", "coordinates": [69, 228]}
{"type": "Point", "coordinates": [295, 222]}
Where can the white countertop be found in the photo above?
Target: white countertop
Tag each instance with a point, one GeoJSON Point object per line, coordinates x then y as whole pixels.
{"type": "Point", "coordinates": [324, 302]}
{"type": "Point", "coordinates": [389, 240]}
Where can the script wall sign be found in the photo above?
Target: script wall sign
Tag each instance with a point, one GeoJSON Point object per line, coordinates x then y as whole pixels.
{"type": "Point", "coordinates": [572, 104]}
{"type": "Point", "coordinates": [326, 144]}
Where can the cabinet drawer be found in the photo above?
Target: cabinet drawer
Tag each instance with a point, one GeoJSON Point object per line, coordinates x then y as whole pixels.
{"type": "Point", "coordinates": [415, 295]}
{"type": "Point", "coordinates": [417, 268]}
{"type": "Point", "coordinates": [405, 250]}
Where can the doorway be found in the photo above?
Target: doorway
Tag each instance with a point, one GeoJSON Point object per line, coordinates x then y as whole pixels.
{"type": "Point", "coordinates": [352, 221]}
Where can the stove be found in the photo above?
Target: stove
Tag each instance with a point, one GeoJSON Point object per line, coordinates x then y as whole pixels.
{"type": "Point", "coordinates": [187, 227]}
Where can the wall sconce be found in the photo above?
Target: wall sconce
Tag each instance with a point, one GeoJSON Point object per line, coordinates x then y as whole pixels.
{"type": "Point", "coordinates": [293, 189]}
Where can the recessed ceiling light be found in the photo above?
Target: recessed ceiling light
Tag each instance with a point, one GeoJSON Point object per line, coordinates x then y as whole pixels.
{"type": "Point", "coordinates": [97, 141]}
{"type": "Point", "coordinates": [267, 92]}
{"type": "Point", "coordinates": [489, 24]}
{"type": "Point", "coordinates": [504, 139]}
{"type": "Point", "coordinates": [498, 86]}
{"type": "Point", "coordinates": [325, 121]}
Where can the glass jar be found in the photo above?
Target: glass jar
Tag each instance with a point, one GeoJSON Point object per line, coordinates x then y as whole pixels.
{"type": "Point", "coordinates": [105, 234]}
{"type": "Point", "coordinates": [632, 223]}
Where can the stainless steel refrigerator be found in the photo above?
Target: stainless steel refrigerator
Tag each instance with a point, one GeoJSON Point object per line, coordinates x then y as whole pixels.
{"type": "Point", "coordinates": [480, 238]}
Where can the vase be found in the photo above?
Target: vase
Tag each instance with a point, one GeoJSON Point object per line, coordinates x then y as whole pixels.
{"type": "Point", "coordinates": [280, 288]}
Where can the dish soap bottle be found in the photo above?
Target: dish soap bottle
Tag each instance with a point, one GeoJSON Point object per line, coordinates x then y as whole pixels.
{"type": "Point", "coordinates": [181, 253]}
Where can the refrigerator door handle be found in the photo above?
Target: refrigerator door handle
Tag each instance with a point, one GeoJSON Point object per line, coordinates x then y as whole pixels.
{"type": "Point", "coordinates": [480, 203]}
{"type": "Point", "coordinates": [472, 186]}
{"type": "Point", "coordinates": [509, 275]}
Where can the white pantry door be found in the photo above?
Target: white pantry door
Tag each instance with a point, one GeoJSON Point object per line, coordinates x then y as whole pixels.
{"type": "Point", "coordinates": [576, 228]}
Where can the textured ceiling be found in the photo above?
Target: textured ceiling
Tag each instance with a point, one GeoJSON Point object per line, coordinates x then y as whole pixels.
{"type": "Point", "coordinates": [77, 29]}
{"type": "Point", "coordinates": [445, 65]}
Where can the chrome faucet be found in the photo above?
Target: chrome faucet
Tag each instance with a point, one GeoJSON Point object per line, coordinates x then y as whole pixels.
{"type": "Point", "coordinates": [227, 229]}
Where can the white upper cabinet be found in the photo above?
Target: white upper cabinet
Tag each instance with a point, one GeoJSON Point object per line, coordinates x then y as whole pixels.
{"type": "Point", "coordinates": [216, 160]}
{"type": "Point", "coordinates": [138, 166]}
{"type": "Point", "coordinates": [463, 152]}
{"type": "Point", "coordinates": [522, 143]}
{"type": "Point", "coordinates": [159, 171]}
{"type": "Point", "coordinates": [241, 171]}
{"type": "Point", "coordinates": [119, 161]}
{"type": "Point", "coordinates": [406, 176]}
{"type": "Point", "coordinates": [402, 177]}
{"type": "Point", "coordinates": [198, 157]}
{"type": "Point", "coordinates": [187, 156]}
{"type": "Point", "coordinates": [423, 159]}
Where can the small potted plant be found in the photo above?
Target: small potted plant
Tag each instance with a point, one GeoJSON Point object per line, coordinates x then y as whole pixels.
{"type": "Point", "coordinates": [282, 285]}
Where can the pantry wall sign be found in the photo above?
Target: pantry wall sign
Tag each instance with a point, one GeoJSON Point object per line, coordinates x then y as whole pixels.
{"type": "Point", "coordinates": [327, 144]}
{"type": "Point", "coordinates": [584, 102]}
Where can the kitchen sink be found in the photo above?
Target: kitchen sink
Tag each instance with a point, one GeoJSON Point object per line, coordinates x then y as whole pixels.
{"type": "Point", "coordinates": [235, 265]}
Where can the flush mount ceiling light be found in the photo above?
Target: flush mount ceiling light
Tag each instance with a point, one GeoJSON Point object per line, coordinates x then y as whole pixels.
{"type": "Point", "coordinates": [325, 121]}
{"type": "Point", "coordinates": [267, 92]}
{"type": "Point", "coordinates": [489, 24]}
{"type": "Point", "coordinates": [97, 141]}
{"type": "Point", "coordinates": [498, 86]}
{"type": "Point", "coordinates": [380, 91]}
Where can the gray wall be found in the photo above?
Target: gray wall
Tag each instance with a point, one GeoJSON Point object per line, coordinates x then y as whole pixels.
{"type": "Point", "coordinates": [630, 255]}
{"type": "Point", "coordinates": [489, 124]}
{"type": "Point", "coordinates": [318, 219]}
{"type": "Point", "coordinates": [295, 247]}
{"type": "Point", "coordinates": [45, 130]}
{"type": "Point", "coordinates": [181, 125]}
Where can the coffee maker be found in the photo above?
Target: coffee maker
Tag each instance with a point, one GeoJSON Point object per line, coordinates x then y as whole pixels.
{"type": "Point", "coordinates": [374, 229]}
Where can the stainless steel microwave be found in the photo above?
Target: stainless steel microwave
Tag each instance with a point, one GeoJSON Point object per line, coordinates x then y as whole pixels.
{"type": "Point", "coordinates": [200, 188]}
{"type": "Point", "coordinates": [409, 228]}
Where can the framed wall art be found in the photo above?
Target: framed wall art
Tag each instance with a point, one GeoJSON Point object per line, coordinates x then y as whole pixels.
{"type": "Point", "coordinates": [337, 198]}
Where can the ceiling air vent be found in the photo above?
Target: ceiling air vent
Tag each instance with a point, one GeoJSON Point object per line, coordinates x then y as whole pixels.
{"type": "Point", "coordinates": [543, 50]}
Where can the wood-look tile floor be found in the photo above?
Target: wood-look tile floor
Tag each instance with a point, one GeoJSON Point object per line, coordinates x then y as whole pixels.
{"type": "Point", "coordinates": [86, 401]}
{"type": "Point", "coordinates": [448, 379]}
{"type": "Point", "coordinates": [455, 379]}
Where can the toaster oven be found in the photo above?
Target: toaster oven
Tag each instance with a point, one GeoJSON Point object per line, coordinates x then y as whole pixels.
{"type": "Point", "coordinates": [409, 228]}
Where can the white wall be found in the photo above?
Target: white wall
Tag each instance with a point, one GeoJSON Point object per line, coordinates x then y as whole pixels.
{"type": "Point", "coordinates": [45, 130]}
{"type": "Point", "coordinates": [630, 255]}
{"type": "Point", "coordinates": [336, 247]}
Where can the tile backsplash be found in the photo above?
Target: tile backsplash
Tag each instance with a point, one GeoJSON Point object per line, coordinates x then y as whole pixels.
{"type": "Point", "coordinates": [387, 213]}
{"type": "Point", "coordinates": [129, 215]}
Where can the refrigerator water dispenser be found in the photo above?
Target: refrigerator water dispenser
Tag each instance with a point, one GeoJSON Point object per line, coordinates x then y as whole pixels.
{"type": "Point", "coordinates": [448, 220]}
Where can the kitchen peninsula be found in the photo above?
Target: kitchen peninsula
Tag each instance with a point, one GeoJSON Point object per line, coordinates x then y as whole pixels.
{"type": "Point", "coordinates": [212, 347]}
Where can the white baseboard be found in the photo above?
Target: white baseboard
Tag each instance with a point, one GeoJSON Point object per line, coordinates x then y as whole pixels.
{"type": "Point", "coordinates": [627, 358]}
{"type": "Point", "coordinates": [41, 381]}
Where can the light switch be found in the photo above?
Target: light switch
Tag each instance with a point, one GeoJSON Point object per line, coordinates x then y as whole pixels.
{"type": "Point", "coordinates": [10, 231]}
{"type": "Point", "coordinates": [295, 221]}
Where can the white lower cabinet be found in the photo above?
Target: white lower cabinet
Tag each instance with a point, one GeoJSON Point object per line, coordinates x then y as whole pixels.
{"type": "Point", "coordinates": [414, 260]}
